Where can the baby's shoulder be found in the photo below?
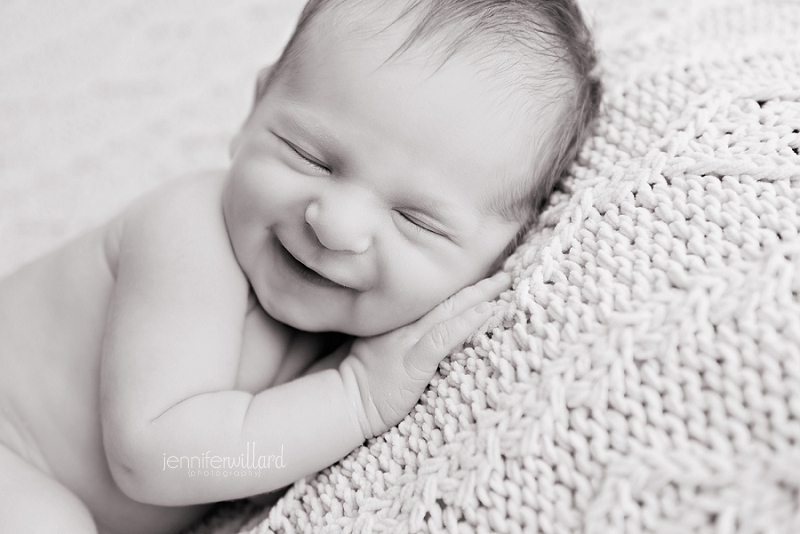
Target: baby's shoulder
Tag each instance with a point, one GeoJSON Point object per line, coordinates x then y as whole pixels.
{"type": "Point", "coordinates": [180, 202]}
{"type": "Point", "coordinates": [179, 223]}
{"type": "Point", "coordinates": [192, 204]}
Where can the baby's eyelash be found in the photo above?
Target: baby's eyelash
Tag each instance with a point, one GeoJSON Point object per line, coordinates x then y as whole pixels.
{"type": "Point", "coordinates": [417, 226]}
{"type": "Point", "coordinates": [310, 161]}
{"type": "Point", "coordinates": [306, 158]}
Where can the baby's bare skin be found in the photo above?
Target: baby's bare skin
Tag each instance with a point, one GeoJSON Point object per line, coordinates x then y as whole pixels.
{"type": "Point", "coordinates": [52, 320]}
{"type": "Point", "coordinates": [52, 317]}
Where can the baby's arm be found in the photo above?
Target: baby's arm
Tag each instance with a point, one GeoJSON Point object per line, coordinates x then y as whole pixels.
{"type": "Point", "coordinates": [170, 361]}
{"type": "Point", "coordinates": [171, 357]}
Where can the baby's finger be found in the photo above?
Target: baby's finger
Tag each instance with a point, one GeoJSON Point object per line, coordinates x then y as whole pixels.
{"type": "Point", "coordinates": [486, 289]}
{"type": "Point", "coordinates": [445, 336]}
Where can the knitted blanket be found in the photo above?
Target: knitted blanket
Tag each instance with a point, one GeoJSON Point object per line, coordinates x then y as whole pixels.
{"type": "Point", "coordinates": [643, 374]}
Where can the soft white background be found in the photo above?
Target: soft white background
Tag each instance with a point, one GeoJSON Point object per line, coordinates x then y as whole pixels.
{"type": "Point", "coordinates": [101, 100]}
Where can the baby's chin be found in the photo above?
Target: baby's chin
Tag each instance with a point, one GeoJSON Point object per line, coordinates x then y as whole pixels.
{"type": "Point", "coordinates": [318, 319]}
{"type": "Point", "coordinates": [311, 321]}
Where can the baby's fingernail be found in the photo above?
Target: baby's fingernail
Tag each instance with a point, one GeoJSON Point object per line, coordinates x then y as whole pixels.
{"type": "Point", "coordinates": [502, 278]}
{"type": "Point", "coordinates": [482, 308]}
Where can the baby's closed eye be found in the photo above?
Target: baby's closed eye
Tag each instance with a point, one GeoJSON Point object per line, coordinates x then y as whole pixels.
{"type": "Point", "coordinates": [305, 157]}
{"type": "Point", "coordinates": [417, 224]}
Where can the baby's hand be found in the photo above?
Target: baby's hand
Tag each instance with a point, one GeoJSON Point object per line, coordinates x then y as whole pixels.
{"type": "Point", "coordinates": [387, 374]}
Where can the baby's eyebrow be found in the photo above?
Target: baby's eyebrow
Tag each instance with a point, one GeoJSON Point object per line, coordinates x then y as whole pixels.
{"type": "Point", "coordinates": [310, 131]}
{"type": "Point", "coordinates": [435, 208]}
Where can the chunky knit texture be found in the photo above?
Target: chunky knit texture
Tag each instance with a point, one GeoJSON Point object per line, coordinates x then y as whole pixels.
{"type": "Point", "coordinates": [643, 374]}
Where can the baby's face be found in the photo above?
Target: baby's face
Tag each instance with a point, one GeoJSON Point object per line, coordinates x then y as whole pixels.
{"type": "Point", "coordinates": [360, 193]}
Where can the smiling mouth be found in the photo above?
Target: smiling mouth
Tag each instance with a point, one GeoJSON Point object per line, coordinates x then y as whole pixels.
{"type": "Point", "coordinates": [304, 271]}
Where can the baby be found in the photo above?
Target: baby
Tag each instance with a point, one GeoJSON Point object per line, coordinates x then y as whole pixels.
{"type": "Point", "coordinates": [393, 155]}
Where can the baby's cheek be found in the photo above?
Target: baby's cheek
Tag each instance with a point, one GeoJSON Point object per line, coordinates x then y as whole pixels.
{"type": "Point", "coordinates": [419, 299]}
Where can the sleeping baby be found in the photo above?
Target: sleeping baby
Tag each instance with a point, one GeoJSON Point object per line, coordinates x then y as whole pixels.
{"type": "Point", "coordinates": [230, 334]}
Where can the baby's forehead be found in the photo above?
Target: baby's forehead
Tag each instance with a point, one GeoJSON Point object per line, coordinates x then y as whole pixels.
{"type": "Point", "coordinates": [436, 30]}
{"type": "Point", "coordinates": [526, 77]}
{"type": "Point", "coordinates": [527, 72]}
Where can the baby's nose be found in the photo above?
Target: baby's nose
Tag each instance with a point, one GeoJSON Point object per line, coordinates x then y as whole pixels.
{"type": "Point", "coordinates": [339, 224]}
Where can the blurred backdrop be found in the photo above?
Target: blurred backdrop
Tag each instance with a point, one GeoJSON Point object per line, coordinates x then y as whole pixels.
{"type": "Point", "coordinates": [102, 100]}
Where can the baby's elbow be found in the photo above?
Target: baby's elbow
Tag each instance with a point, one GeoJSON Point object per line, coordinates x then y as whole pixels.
{"type": "Point", "coordinates": [128, 479]}
{"type": "Point", "coordinates": [135, 469]}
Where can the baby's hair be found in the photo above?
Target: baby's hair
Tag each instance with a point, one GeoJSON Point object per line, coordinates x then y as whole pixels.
{"type": "Point", "coordinates": [540, 43]}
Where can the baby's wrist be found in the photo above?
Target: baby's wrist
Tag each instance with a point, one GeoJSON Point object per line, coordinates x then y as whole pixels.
{"type": "Point", "coordinates": [363, 412]}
